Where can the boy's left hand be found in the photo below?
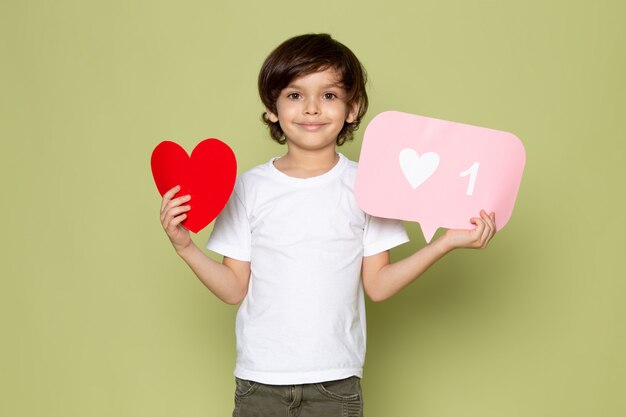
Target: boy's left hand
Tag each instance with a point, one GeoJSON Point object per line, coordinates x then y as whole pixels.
{"type": "Point", "coordinates": [477, 238]}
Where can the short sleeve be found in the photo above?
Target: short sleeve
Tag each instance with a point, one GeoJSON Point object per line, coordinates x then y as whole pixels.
{"type": "Point", "coordinates": [231, 233]}
{"type": "Point", "coordinates": [382, 234]}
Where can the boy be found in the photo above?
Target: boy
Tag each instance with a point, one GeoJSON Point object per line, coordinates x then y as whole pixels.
{"type": "Point", "coordinates": [295, 242]}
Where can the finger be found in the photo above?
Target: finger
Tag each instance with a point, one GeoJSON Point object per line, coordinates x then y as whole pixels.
{"type": "Point", "coordinates": [488, 218]}
{"type": "Point", "coordinates": [176, 221]}
{"type": "Point", "coordinates": [167, 217]}
{"type": "Point", "coordinates": [492, 229]}
{"type": "Point", "coordinates": [168, 196]}
{"type": "Point", "coordinates": [479, 230]}
{"type": "Point", "coordinates": [176, 202]}
{"type": "Point", "coordinates": [488, 227]}
{"type": "Point", "coordinates": [487, 233]}
{"type": "Point", "coordinates": [171, 192]}
{"type": "Point", "coordinates": [180, 200]}
{"type": "Point", "coordinates": [492, 216]}
{"type": "Point", "coordinates": [494, 226]}
{"type": "Point", "coordinates": [487, 222]}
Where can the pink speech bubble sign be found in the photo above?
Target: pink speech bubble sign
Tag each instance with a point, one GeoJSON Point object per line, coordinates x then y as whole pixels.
{"type": "Point", "coordinates": [436, 172]}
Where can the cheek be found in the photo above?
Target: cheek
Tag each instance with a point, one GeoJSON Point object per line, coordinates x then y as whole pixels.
{"type": "Point", "coordinates": [335, 108]}
{"type": "Point", "coordinates": [285, 109]}
{"type": "Point", "coordinates": [343, 112]}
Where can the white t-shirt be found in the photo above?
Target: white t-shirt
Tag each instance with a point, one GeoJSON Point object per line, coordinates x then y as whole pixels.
{"type": "Point", "coordinates": [303, 318]}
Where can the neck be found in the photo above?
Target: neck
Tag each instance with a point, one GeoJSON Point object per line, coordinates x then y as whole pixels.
{"type": "Point", "coordinates": [303, 164]}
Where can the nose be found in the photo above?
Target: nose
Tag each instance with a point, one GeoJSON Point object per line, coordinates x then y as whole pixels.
{"type": "Point", "coordinates": [311, 107]}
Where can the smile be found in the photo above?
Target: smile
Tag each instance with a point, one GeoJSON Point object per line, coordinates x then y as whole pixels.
{"type": "Point", "coordinates": [311, 126]}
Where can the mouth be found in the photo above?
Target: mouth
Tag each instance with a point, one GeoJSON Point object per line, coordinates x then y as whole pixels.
{"type": "Point", "coordinates": [311, 126]}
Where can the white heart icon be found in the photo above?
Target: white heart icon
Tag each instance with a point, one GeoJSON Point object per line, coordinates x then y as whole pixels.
{"type": "Point", "coordinates": [417, 169]}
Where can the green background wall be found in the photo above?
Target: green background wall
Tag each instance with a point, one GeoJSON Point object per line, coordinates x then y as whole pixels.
{"type": "Point", "coordinates": [99, 317]}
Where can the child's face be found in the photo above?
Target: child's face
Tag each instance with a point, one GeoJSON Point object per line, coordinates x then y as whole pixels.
{"type": "Point", "coordinates": [312, 110]}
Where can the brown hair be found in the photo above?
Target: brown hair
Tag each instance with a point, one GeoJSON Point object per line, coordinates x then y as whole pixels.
{"type": "Point", "coordinates": [306, 54]}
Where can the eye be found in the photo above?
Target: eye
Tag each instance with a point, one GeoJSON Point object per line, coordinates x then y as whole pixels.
{"type": "Point", "coordinates": [293, 96]}
{"type": "Point", "coordinates": [330, 96]}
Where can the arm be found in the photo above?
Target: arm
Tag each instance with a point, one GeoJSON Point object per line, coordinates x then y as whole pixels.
{"type": "Point", "coordinates": [382, 279]}
{"type": "Point", "coordinates": [227, 280]}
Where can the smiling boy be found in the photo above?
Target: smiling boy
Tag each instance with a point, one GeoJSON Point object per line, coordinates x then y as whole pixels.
{"type": "Point", "coordinates": [296, 244]}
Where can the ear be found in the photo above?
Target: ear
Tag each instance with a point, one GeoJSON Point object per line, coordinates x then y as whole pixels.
{"type": "Point", "coordinates": [271, 116]}
{"type": "Point", "coordinates": [353, 111]}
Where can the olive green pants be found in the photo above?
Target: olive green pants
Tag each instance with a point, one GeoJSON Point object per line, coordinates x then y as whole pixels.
{"type": "Point", "coordinates": [340, 398]}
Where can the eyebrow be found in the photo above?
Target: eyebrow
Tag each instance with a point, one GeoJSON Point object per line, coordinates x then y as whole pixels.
{"type": "Point", "coordinates": [333, 85]}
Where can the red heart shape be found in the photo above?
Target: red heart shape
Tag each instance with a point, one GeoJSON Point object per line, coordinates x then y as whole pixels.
{"type": "Point", "coordinates": [208, 176]}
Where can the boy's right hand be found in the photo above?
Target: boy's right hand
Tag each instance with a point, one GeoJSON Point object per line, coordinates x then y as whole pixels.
{"type": "Point", "coordinates": [173, 212]}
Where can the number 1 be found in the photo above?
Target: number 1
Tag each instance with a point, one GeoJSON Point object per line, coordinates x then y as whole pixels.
{"type": "Point", "coordinates": [472, 172]}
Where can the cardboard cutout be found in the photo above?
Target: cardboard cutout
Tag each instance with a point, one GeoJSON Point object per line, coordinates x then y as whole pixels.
{"type": "Point", "coordinates": [436, 172]}
{"type": "Point", "coordinates": [208, 176]}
